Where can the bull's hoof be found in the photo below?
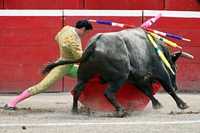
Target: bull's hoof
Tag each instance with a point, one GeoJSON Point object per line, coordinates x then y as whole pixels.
{"type": "Point", "coordinates": [157, 106]}
{"type": "Point", "coordinates": [183, 106]}
{"type": "Point", "coordinates": [84, 109]}
{"type": "Point", "coordinates": [74, 111]}
{"type": "Point", "coordinates": [121, 113]}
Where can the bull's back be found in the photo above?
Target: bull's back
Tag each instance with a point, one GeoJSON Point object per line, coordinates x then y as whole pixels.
{"type": "Point", "coordinates": [119, 53]}
{"type": "Point", "coordinates": [141, 52]}
{"type": "Point", "coordinates": [109, 58]}
{"type": "Point", "coordinates": [112, 46]}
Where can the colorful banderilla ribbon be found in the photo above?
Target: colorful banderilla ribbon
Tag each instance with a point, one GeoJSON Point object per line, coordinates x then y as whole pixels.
{"type": "Point", "coordinates": [108, 22]}
{"type": "Point", "coordinates": [170, 43]}
{"type": "Point", "coordinates": [160, 53]}
{"type": "Point", "coordinates": [178, 37]}
{"type": "Point", "coordinates": [150, 21]}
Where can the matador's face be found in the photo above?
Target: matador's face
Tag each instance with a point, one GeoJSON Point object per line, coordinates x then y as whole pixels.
{"type": "Point", "coordinates": [83, 32]}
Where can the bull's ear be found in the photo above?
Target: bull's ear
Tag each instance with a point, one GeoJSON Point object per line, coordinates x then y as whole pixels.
{"type": "Point", "coordinates": [176, 55]}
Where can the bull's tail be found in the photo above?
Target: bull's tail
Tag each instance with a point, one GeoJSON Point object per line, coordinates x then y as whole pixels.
{"type": "Point", "coordinates": [84, 57]}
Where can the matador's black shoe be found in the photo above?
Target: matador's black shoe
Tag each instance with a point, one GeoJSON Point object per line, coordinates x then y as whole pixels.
{"type": "Point", "coordinates": [6, 107]}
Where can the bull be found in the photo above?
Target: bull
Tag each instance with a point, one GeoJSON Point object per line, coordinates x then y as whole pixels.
{"type": "Point", "coordinates": [125, 56]}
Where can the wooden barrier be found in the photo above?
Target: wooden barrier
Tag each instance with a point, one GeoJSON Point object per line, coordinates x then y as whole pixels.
{"type": "Point", "coordinates": [43, 4]}
{"type": "Point", "coordinates": [27, 42]}
{"type": "Point", "coordinates": [124, 4]}
{"type": "Point", "coordinates": [182, 5]}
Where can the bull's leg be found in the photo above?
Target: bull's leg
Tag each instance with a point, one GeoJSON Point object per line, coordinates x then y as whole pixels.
{"type": "Point", "coordinates": [77, 92]}
{"type": "Point", "coordinates": [167, 85]}
{"type": "Point", "coordinates": [147, 90]}
{"type": "Point", "coordinates": [110, 95]}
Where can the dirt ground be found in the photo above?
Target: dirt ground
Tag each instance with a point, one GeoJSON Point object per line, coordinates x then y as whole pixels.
{"type": "Point", "coordinates": [51, 112]}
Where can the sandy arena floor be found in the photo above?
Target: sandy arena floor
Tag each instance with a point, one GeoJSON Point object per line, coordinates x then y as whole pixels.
{"type": "Point", "coordinates": [51, 112]}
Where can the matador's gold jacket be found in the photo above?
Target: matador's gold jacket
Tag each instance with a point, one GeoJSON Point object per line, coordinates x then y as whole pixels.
{"type": "Point", "coordinates": [69, 43]}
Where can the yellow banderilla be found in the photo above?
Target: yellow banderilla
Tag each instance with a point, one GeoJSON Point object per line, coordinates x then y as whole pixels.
{"type": "Point", "coordinates": [160, 53]}
{"type": "Point", "coordinates": [173, 44]}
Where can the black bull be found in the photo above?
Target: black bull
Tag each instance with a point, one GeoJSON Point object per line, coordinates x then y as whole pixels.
{"type": "Point", "coordinates": [122, 56]}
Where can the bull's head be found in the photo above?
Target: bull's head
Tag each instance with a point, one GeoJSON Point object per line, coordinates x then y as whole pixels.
{"type": "Point", "coordinates": [174, 57]}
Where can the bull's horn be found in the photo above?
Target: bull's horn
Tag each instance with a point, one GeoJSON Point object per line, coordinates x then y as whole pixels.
{"type": "Point", "coordinates": [187, 55]}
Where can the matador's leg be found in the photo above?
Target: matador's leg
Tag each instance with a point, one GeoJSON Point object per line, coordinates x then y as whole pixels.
{"type": "Point", "coordinates": [53, 76]}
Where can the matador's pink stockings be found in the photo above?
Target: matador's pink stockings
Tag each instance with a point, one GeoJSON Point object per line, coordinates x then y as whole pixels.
{"type": "Point", "coordinates": [13, 102]}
